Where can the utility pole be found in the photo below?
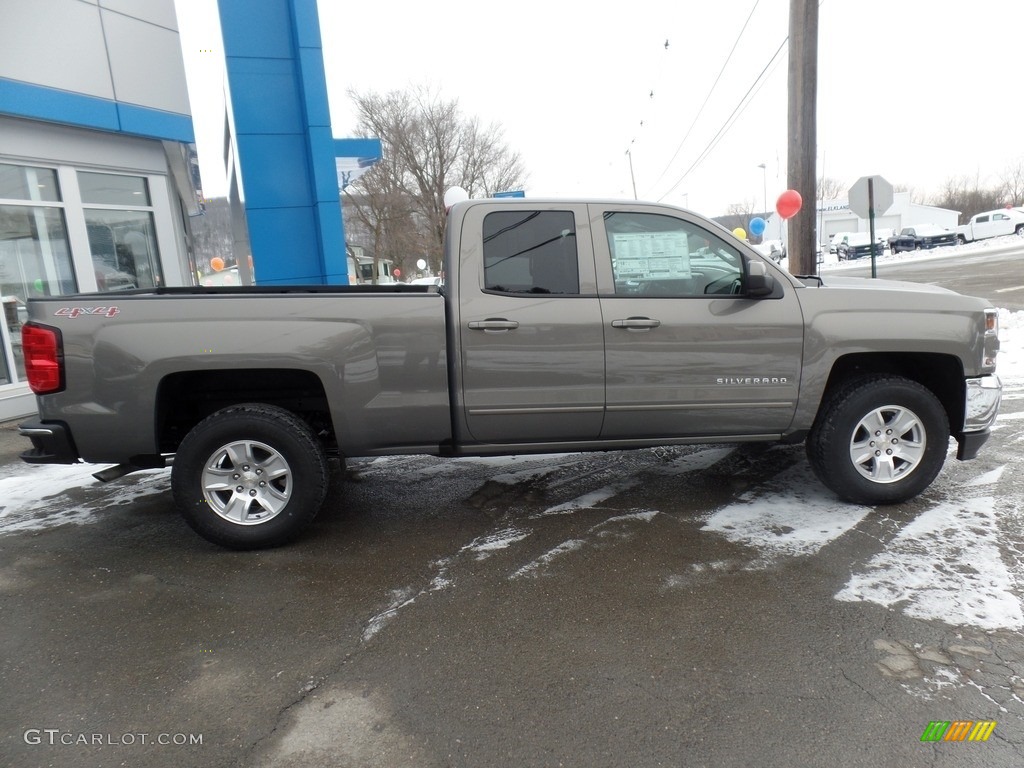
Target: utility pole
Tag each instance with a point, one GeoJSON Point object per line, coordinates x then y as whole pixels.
{"type": "Point", "coordinates": [803, 110]}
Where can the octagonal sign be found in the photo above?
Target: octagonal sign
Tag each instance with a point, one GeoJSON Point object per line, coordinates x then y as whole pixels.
{"type": "Point", "coordinates": [858, 195]}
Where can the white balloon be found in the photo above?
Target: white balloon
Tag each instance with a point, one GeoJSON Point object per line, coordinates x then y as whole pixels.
{"type": "Point", "coordinates": [455, 195]}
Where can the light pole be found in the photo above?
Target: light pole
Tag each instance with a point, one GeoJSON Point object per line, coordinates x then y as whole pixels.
{"type": "Point", "coordinates": [764, 184]}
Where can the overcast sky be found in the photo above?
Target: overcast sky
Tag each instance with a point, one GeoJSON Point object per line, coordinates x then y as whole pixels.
{"type": "Point", "coordinates": [912, 90]}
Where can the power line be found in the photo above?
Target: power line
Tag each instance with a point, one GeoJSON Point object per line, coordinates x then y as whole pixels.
{"type": "Point", "coordinates": [707, 98]}
{"type": "Point", "coordinates": [730, 121]}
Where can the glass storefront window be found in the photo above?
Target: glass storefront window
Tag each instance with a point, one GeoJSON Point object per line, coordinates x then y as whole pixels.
{"type": "Point", "coordinates": [35, 260]}
{"type": "Point", "coordinates": [113, 189]}
{"type": "Point", "coordinates": [122, 242]}
{"type": "Point", "coordinates": [23, 182]}
{"type": "Point", "coordinates": [123, 246]}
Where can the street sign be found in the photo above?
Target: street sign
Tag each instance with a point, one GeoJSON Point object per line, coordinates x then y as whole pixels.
{"type": "Point", "coordinates": [868, 197]}
{"type": "Point", "coordinates": [858, 196]}
{"type": "Point", "coordinates": [511, 193]}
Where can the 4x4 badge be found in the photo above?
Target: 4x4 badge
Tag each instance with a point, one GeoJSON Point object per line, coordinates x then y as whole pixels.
{"type": "Point", "coordinates": [74, 312]}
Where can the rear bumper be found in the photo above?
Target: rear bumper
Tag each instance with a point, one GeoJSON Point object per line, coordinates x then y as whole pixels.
{"type": "Point", "coordinates": [51, 443]}
{"type": "Point", "coordinates": [982, 406]}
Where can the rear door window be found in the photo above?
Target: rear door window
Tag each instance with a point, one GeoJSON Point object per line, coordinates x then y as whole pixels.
{"type": "Point", "coordinates": [531, 252]}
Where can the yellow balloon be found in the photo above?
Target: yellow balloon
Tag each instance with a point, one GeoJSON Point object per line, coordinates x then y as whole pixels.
{"type": "Point", "coordinates": [740, 233]}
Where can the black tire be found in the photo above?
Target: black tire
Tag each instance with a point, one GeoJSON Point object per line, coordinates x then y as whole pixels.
{"type": "Point", "coordinates": [856, 464]}
{"type": "Point", "coordinates": [278, 465]}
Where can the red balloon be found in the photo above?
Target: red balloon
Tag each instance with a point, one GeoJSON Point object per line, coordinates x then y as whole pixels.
{"type": "Point", "coordinates": [789, 203]}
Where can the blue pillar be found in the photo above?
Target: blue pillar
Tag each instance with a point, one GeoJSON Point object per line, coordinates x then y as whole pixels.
{"type": "Point", "coordinates": [282, 127]}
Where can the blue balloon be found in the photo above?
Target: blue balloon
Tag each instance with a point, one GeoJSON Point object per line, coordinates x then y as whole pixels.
{"type": "Point", "coordinates": [757, 226]}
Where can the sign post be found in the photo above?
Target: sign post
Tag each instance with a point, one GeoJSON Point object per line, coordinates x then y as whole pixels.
{"type": "Point", "coordinates": [868, 194]}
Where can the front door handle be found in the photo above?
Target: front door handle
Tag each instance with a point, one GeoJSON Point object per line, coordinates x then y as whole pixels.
{"type": "Point", "coordinates": [493, 324]}
{"type": "Point", "coordinates": [636, 323]}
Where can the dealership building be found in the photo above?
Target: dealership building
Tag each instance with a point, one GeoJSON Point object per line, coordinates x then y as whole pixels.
{"type": "Point", "coordinates": [99, 178]}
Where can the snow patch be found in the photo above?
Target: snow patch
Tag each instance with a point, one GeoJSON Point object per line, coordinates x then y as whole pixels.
{"type": "Point", "coordinates": [793, 515]}
{"type": "Point", "coordinates": [945, 565]}
{"type": "Point", "coordinates": [590, 500]}
{"type": "Point", "coordinates": [492, 542]}
{"type": "Point", "coordinates": [531, 568]}
{"type": "Point", "coordinates": [32, 500]}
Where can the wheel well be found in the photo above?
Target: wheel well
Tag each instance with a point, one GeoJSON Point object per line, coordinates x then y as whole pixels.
{"type": "Point", "coordinates": [184, 399]}
{"type": "Point", "coordinates": [943, 375]}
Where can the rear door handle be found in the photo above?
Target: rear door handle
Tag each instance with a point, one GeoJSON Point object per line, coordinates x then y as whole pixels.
{"type": "Point", "coordinates": [636, 323]}
{"type": "Point", "coordinates": [493, 324]}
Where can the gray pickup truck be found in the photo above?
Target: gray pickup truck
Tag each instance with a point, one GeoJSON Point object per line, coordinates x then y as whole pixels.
{"type": "Point", "coordinates": [562, 326]}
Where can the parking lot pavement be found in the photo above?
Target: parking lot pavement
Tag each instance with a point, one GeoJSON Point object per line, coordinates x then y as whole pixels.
{"type": "Point", "coordinates": [707, 605]}
{"type": "Point", "coordinates": [11, 443]}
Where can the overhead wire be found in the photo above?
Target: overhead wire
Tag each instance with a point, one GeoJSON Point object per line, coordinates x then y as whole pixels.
{"type": "Point", "coordinates": [731, 120]}
{"type": "Point", "coordinates": [711, 92]}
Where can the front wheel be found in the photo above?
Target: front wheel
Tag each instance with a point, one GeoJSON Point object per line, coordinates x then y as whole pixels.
{"type": "Point", "coordinates": [879, 440]}
{"type": "Point", "coordinates": [249, 476]}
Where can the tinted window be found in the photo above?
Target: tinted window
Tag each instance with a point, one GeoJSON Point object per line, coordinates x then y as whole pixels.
{"type": "Point", "coordinates": [531, 252]}
{"type": "Point", "coordinates": [656, 255]}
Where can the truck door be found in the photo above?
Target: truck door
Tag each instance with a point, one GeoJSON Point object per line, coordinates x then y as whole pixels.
{"type": "Point", "coordinates": [1002, 224]}
{"type": "Point", "coordinates": [686, 354]}
{"type": "Point", "coordinates": [982, 227]}
{"type": "Point", "coordinates": [532, 344]}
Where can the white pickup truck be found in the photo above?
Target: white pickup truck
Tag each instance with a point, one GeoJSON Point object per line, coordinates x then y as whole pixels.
{"type": "Point", "coordinates": [1005, 221]}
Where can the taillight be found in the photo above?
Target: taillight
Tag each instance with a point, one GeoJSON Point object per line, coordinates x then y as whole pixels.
{"type": "Point", "coordinates": [44, 358]}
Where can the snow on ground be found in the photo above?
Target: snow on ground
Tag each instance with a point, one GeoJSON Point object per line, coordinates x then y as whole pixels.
{"type": "Point", "coordinates": [42, 496]}
{"type": "Point", "coordinates": [945, 565]}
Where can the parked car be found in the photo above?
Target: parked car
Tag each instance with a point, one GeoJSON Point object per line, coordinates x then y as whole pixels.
{"type": "Point", "coordinates": [854, 245]}
{"type": "Point", "coordinates": [921, 236]}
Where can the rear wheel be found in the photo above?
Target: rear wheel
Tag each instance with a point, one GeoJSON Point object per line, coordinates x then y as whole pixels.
{"type": "Point", "coordinates": [249, 476]}
{"type": "Point", "coordinates": [879, 440]}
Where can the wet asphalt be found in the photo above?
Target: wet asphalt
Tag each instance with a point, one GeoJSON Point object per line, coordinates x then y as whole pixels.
{"type": "Point", "coordinates": [399, 632]}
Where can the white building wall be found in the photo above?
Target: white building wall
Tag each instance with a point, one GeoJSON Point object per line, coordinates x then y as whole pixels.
{"type": "Point", "coordinates": [123, 50]}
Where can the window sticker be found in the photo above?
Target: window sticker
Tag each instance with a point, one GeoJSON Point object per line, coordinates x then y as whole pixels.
{"type": "Point", "coordinates": [651, 255]}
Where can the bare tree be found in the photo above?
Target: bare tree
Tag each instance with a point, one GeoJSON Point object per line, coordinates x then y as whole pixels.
{"type": "Point", "coordinates": [915, 195]}
{"type": "Point", "coordinates": [428, 147]}
{"type": "Point", "coordinates": [964, 194]}
{"type": "Point", "coordinates": [746, 209]}
{"type": "Point", "coordinates": [1013, 182]}
{"type": "Point", "coordinates": [831, 189]}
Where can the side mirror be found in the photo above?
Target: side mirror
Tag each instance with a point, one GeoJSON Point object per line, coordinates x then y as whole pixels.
{"type": "Point", "coordinates": [759, 282]}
